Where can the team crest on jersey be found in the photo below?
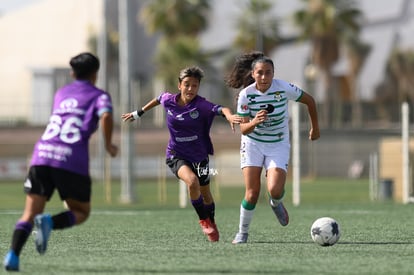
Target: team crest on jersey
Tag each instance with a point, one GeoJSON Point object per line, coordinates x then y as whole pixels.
{"type": "Point", "coordinates": [194, 114]}
{"type": "Point", "coordinates": [244, 107]}
{"type": "Point", "coordinates": [278, 96]}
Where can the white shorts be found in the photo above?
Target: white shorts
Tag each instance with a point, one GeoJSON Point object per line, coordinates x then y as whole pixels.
{"type": "Point", "coordinates": [272, 155]}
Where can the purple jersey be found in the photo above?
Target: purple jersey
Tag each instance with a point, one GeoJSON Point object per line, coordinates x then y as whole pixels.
{"type": "Point", "coordinates": [189, 127]}
{"type": "Point", "coordinates": [75, 116]}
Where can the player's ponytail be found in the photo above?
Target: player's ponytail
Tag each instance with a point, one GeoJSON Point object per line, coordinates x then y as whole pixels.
{"type": "Point", "coordinates": [240, 74]}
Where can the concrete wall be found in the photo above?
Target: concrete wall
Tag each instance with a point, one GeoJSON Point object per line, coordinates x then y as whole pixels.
{"type": "Point", "coordinates": [391, 163]}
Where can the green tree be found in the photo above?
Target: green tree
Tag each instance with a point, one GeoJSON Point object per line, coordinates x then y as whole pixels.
{"type": "Point", "coordinates": [401, 66]}
{"type": "Point", "coordinates": [184, 51]}
{"type": "Point", "coordinates": [397, 86]}
{"type": "Point", "coordinates": [178, 22]}
{"type": "Point", "coordinates": [324, 23]}
{"type": "Point", "coordinates": [257, 27]}
{"type": "Point", "coordinates": [176, 17]}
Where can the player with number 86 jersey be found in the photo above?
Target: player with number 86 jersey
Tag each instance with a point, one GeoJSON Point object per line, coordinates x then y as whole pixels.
{"type": "Point", "coordinates": [60, 159]}
{"type": "Point", "coordinates": [76, 111]}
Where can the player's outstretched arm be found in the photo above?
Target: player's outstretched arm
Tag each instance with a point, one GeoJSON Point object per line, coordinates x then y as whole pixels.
{"type": "Point", "coordinates": [138, 113]}
{"type": "Point", "coordinates": [231, 118]}
{"type": "Point", "coordinates": [308, 100]}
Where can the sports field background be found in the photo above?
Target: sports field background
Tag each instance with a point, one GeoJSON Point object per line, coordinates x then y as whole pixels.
{"type": "Point", "coordinates": [149, 237]}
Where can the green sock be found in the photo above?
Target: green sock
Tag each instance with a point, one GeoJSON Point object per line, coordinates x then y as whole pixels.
{"type": "Point", "coordinates": [248, 206]}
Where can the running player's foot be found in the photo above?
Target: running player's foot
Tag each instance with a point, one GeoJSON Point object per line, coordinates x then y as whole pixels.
{"type": "Point", "coordinates": [280, 212]}
{"type": "Point", "coordinates": [240, 238]}
{"type": "Point", "coordinates": [206, 226]}
{"type": "Point", "coordinates": [43, 227]}
{"type": "Point", "coordinates": [214, 237]}
{"type": "Point", "coordinates": [11, 261]}
{"type": "Point", "coordinates": [209, 229]}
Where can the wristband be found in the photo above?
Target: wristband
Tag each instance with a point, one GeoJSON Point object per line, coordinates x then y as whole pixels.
{"type": "Point", "coordinates": [136, 114]}
{"type": "Point", "coordinates": [220, 110]}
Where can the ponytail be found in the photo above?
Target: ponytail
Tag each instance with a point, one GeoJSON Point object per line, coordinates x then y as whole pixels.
{"type": "Point", "coordinates": [240, 74]}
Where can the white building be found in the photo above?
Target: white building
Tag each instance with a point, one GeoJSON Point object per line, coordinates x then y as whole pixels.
{"type": "Point", "coordinates": [40, 37]}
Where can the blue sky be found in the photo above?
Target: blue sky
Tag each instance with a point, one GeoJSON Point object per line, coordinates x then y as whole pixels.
{"type": "Point", "coordinates": [10, 5]}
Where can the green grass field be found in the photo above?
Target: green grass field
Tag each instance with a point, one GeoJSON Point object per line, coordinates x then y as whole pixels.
{"type": "Point", "coordinates": [150, 237]}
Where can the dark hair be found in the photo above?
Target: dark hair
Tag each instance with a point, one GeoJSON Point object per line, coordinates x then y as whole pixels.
{"type": "Point", "coordinates": [240, 74]}
{"type": "Point", "coordinates": [263, 59]}
{"type": "Point", "coordinates": [194, 71]}
{"type": "Point", "coordinates": [84, 65]}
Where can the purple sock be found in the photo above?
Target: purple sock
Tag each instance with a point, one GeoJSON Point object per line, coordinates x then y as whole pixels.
{"type": "Point", "coordinates": [197, 201]}
{"type": "Point", "coordinates": [64, 220]}
{"type": "Point", "coordinates": [25, 226]}
{"type": "Point", "coordinates": [210, 209]}
{"type": "Point", "coordinates": [199, 208]}
{"type": "Point", "coordinates": [20, 234]}
{"type": "Point", "coordinates": [72, 217]}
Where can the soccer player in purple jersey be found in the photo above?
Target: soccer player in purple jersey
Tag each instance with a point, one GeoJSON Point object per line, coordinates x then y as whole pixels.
{"type": "Point", "coordinates": [189, 119]}
{"type": "Point", "coordinates": [60, 158]}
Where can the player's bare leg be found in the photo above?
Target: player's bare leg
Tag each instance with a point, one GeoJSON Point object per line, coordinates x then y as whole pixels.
{"type": "Point", "coordinates": [187, 175]}
{"type": "Point", "coordinates": [276, 179]}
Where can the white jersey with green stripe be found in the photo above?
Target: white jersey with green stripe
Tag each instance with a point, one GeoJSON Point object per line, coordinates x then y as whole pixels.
{"type": "Point", "coordinates": [276, 127]}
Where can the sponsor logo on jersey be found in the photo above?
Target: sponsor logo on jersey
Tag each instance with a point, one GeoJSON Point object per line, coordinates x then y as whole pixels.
{"type": "Point", "coordinates": [179, 117]}
{"type": "Point", "coordinates": [186, 139]}
{"type": "Point", "coordinates": [69, 103]}
{"type": "Point", "coordinates": [297, 89]}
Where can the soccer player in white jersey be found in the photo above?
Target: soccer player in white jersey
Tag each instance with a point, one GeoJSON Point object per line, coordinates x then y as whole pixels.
{"type": "Point", "coordinates": [60, 159]}
{"type": "Point", "coordinates": [263, 105]}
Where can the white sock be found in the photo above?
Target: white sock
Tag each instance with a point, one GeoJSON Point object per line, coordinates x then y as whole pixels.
{"type": "Point", "coordinates": [245, 219]}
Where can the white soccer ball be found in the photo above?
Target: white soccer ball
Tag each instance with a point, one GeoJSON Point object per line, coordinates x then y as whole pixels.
{"type": "Point", "coordinates": [325, 231]}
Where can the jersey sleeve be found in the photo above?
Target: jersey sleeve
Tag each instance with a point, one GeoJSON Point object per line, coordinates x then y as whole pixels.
{"type": "Point", "coordinates": [242, 104]}
{"type": "Point", "coordinates": [216, 108]}
{"type": "Point", "coordinates": [164, 96]}
{"type": "Point", "coordinates": [293, 92]}
{"type": "Point", "coordinates": [208, 107]}
{"type": "Point", "coordinates": [104, 104]}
